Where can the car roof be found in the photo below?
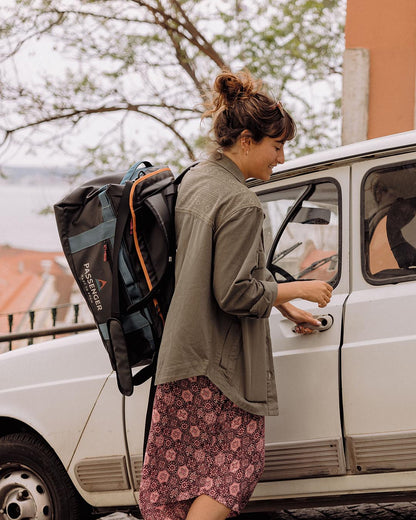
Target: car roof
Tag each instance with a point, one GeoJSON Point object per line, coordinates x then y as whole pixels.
{"type": "Point", "coordinates": [365, 150]}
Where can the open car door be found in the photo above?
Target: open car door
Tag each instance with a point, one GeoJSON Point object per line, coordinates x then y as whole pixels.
{"type": "Point", "coordinates": [306, 236]}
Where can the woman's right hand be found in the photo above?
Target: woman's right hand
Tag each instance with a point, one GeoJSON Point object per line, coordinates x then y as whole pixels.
{"type": "Point", "coordinates": [316, 291]}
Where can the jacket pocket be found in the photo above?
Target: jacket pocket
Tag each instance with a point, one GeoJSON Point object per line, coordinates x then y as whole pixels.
{"type": "Point", "coordinates": [256, 348]}
{"type": "Point", "coordinates": [231, 347]}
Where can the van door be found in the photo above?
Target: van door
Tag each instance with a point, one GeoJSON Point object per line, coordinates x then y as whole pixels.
{"type": "Point", "coordinates": [379, 351]}
{"type": "Point", "coordinates": [306, 235]}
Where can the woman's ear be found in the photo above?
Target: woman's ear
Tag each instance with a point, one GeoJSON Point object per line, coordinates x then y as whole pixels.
{"type": "Point", "coordinates": [245, 140]}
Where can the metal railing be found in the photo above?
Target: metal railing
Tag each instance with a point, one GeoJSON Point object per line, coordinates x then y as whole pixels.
{"type": "Point", "coordinates": [27, 320]}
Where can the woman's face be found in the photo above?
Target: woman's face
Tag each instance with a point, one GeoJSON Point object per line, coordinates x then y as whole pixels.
{"type": "Point", "coordinates": [262, 157]}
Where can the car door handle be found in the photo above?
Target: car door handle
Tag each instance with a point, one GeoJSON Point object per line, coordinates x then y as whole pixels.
{"type": "Point", "coordinates": [326, 322]}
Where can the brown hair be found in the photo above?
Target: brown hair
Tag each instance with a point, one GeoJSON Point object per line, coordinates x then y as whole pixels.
{"type": "Point", "coordinates": [238, 103]}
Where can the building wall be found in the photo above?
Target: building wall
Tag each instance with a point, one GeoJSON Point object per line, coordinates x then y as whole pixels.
{"type": "Point", "coordinates": [387, 31]}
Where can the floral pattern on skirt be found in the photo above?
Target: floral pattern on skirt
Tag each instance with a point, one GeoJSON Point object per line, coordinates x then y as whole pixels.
{"type": "Point", "coordinates": [200, 443]}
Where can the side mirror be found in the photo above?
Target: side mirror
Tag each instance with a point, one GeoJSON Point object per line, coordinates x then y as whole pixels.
{"type": "Point", "coordinates": [313, 216]}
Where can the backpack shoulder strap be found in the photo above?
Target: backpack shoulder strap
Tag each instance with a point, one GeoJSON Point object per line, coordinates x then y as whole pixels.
{"type": "Point", "coordinates": [179, 178]}
{"type": "Point", "coordinates": [122, 217]}
{"type": "Point", "coordinates": [157, 204]}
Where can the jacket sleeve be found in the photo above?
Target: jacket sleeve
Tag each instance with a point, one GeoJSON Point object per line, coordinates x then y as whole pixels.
{"type": "Point", "coordinates": [242, 285]}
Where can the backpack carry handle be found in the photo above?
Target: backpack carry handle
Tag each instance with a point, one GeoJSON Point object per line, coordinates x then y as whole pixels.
{"type": "Point", "coordinates": [133, 169]}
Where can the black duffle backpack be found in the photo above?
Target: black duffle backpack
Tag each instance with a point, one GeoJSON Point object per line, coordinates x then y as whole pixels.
{"type": "Point", "coordinates": [117, 233]}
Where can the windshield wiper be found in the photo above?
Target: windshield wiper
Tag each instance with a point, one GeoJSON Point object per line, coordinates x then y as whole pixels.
{"type": "Point", "coordinates": [285, 252]}
{"type": "Point", "coordinates": [316, 264]}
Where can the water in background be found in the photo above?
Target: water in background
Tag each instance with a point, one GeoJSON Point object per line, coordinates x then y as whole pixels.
{"type": "Point", "coordinates": [21, 226]}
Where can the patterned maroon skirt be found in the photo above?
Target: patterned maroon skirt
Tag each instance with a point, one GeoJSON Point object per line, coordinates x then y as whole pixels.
{"type": "Point", "coordinates": [200, 443]}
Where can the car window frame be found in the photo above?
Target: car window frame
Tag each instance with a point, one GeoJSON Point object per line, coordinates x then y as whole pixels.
{"type": "Point", "coordinates": [321, 180]}
{"type": "Point", "coordinates": [373, 279]}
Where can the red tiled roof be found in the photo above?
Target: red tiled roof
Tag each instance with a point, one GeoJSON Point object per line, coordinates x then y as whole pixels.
{"type": "Point", "coordinates": [21, 278]}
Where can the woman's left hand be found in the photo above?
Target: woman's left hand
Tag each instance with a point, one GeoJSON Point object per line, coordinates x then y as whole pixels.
{"type": "Point", "coordinates": [299, 317]}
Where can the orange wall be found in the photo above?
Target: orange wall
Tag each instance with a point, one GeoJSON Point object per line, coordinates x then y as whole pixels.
{"type": "Point", "coordinates": [388, 30]}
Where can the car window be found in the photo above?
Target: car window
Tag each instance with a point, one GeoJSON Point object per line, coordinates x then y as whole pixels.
{"type": "Point", "coordinates": [389, 223]}
{"type": "Point", "coordinates": [301, 232]}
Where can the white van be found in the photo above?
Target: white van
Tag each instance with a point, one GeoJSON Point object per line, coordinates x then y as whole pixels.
{"type": "Point", "coordinates": [347, 394]}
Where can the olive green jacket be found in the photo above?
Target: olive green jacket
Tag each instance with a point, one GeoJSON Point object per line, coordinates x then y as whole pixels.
{"type": "Point", "coordinates": [217, 324]}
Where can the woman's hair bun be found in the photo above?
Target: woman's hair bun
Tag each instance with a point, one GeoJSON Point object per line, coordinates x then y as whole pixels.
{"type": "Point", "coordinates": [231, 87]}
{"type": "Point", "coordinates": [237, 102]}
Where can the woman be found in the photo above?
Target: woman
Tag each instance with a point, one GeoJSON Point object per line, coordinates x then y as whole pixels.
{"type": "Point", "coordinates": [215, 374]}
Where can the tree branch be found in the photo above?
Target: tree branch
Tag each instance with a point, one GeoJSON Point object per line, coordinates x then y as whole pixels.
{"type": "Point", "coordinates": [197, 36]}
{"type": "Point", "coordinates": [81, 114]}
{"type": "Point", "coordinates": [35, 34]}
{"type": "Point", "coordinates": [165, 20]}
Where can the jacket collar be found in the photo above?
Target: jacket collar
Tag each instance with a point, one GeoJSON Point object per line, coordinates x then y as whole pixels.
{"type": "Point", "coordinates": [222, 160]}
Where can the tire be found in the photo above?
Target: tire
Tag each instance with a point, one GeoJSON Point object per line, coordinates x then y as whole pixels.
{"type": "Point", "coordinates": [33, 482]}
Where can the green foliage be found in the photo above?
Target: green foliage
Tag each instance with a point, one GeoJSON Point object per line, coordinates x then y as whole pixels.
{"type": "Point", "coordinates": [127, 78]}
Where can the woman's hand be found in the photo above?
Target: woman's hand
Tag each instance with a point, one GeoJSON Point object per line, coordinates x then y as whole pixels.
{"type": "Point", "coordinates": [311, 290]}
{"type": "Point", "coordinates": [298, 316]}
{"type": "Point", "coordinates": [316, 291]}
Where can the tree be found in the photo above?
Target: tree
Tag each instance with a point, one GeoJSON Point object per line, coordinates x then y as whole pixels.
{"type": "Point", "coordinates": [128, 77]}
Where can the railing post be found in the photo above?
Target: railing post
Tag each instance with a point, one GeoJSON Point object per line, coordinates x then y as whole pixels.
{"type": "Point", "coordinates": [11, 337]}
{"type": "Point", "coordinates": [76, 312]}
{"type": "Point", "coordinates": [32, 325]}
{"type": "Point", "coordinates": [54, 312]}
{"type": "Point", "coordinates": [10, 319]}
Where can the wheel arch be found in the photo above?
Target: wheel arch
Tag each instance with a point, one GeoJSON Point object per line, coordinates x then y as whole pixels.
{"type": "Point", "coordinates": [10, 425]}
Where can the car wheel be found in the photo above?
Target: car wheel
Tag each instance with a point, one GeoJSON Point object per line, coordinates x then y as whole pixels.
{"type": "Point", "coordinates": [33, 482]}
